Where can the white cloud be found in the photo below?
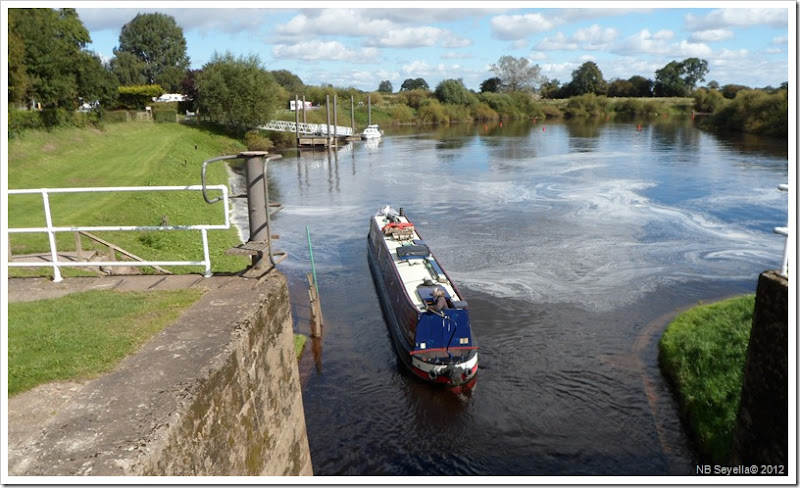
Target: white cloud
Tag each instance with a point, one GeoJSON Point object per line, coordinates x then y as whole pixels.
{"type": "Point", "coordinates": [558, 42]}
{"type": "Point", "coordinates": [324, 50]}
{"type": "Point", "coordinates": [514, 27]}
{"type": "Point", "coordinates": [648, 43]}
{"type": "Point", "coordinates": [410, 37]}
{"type": "Point", "coordinates": [738, 17]}
{"type": "Point", "coordinates": [333, 22]}
{"type": "Point", "coordinates": [712, 35]}
{"type": "Point", "coordinates": [694, 49]}
{"type": "Point", "coordinates": [595, 37]}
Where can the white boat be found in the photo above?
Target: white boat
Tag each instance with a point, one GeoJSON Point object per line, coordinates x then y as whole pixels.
{"type": "Point", "coordinates": [371, 132]}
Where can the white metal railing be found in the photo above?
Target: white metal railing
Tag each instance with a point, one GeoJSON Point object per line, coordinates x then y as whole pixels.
{"type": "Point", "coordinates": [51, 229]}
{"type": "Point", "coordinates": [784, 231]}
{"type": "Point", "coordinates": [303, 128]}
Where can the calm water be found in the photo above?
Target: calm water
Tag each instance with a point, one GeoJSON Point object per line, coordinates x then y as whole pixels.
{"type": "Point", "coordinates": [573, 244]}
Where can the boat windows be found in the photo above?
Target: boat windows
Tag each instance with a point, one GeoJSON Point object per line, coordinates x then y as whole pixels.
{"type": "Point", "coordinates": [419, 251]}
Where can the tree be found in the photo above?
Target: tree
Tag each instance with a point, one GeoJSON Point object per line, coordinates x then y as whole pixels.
{"type": "Point", "coordinates": [158, 42]}
{"type": "Point", "coordinates": [550, 88]}
{"type": "Point", "coordinates": [289, 81]}
{"type": "Point", "coordinates": [453, 92]}
{"type": "Point", "coordinates": [669, 82]}
{"type": "Point", "coordinates": [642, 86]}
{"type": "Point", "coordinates": [96, 84]}
{"type": "Point", "coordinates": [128, 69]}
{"type": "Point", "coordinates": [385, 87]}
{"type": "Point", "coordinates": [588, 79]}
{"type": "Point", "coordinates": [694, 71]}
{"type": "Point", "coordinates": [189, 85]}
{"type": "Point", "coordinates": [52, 41]}
{"type": "Point", "coordinates": [237, 92]}
{"type": "Point", "coordinates": [679, 79]}
{"type": "Point", "coordinates": [517, 74]}
{"type": "Point", "coordinates": [493, 85]}
{"type": "Point", "coordinates": [621, 88]}
{"type": "Point", "coordinates": [18, 79]}
{"type": "Point", "coordinates": [414, 84]}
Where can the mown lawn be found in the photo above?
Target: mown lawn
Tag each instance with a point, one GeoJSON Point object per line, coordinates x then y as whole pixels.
{"type": "Point", "coordinates": [702, 353]}
{"type": "Point", "coordinates": [122, 154]}
{"type": "Point", "coordinates": [83, 335]}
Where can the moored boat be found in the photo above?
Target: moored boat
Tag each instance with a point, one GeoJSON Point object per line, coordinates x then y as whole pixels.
{"type": "Point", "coordinates": [426, 314]}
{"type": "Point", "coordinates": [371, 132]}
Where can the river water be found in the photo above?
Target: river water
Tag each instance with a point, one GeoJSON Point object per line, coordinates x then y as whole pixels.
{"type": "Point", "coordinates": [574, 245]}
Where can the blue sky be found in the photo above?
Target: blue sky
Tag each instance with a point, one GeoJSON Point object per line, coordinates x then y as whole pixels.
{"type": "Point", "coordinates": [360, 44]}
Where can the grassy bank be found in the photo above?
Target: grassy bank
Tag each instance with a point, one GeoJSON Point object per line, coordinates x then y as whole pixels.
{"type": "Point", "coordinates": [702, 353]}
{"type": "Point", "coordinates": [85, 334]}
{"type": "Point", "coordinates": [126, 154]}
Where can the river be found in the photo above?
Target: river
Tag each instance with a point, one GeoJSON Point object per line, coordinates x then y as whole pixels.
{"type": "Point", "coordinates": [574, 245]}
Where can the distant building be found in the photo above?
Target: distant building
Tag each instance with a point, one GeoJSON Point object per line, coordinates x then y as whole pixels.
{"type": "Point", "coordinates": [171, 97]}
{"type": "Point", "coordinates": [300, 105]}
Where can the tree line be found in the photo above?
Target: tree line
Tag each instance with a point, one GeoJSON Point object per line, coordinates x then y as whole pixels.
{"type": "Point", "coordinates": [51, 70]}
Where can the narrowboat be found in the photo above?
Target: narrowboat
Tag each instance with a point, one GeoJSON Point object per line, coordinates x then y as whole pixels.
{"type": "Point", "coordinates": [427, 316]}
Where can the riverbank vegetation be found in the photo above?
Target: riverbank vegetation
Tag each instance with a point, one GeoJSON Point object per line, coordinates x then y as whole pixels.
{"type": "Point", "coordinates": [702, 353]}
{"type": "Point", "coordinates": [66, 338]}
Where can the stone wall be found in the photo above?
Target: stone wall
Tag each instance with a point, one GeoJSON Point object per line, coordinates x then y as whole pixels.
{"type": "Point", "coordinates": [216, 393]}
{"type": "Point", "coordinates": [762, 430]}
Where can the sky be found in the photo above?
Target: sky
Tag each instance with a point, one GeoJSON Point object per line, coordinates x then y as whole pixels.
{"type": "Point", "coordinates": [359, 44]}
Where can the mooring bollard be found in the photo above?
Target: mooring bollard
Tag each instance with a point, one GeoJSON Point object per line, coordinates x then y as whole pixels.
{"type": "Point", "coordinates": [259, 211]}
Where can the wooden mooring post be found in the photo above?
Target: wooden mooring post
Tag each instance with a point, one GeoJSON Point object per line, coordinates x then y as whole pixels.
{"type": "Point", "coordinates": [316, 309]}
{"type": "Point", "coordinates": [313, 293]}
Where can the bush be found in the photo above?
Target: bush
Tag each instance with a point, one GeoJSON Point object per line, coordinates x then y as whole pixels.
{"type": "Point", "coordinates": [482, 111]}
{"type": "Point", "coordinates": [162, 116]}
{"type": "Point", "coordinates": [21, 120]}
{"type": "Point", "coordinates": [116, 116]}
{"type": "Point", "coordinates": [257, 142]}
{"type": "Point", "coordinates": [587, 105]}
{"type": "Point", "coordinates": [54, 117]}
{"type": "Point", "coordinates": [402, 114]}
{"type": "Point", "coordinates": [413, 98]}
{"type": "Point", "coordinates": [432, 112]}
{"type": "Point", "coordinates": [460, 113]}
{"type": "Point", "coordinates": [138, 96]}
{"type": "Point", "coordinates": [549, 111]}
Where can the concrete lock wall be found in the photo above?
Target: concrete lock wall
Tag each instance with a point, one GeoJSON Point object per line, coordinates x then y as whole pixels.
{"type": "Point", "coordinates": [762, 430]}
{"type": "Point", "coordinates": [216, 393]}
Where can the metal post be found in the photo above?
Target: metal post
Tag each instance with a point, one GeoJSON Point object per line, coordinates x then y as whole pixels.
{"type": "Point", "coordinates": [297, 120]}
{"type": "Point", "coordinates": [335, 124]}
{"type": "Point", "coordinates": [327, 118]}
{"type": "Point", "coordinates": [352, 115]}
{"type": "Point", "coordinates": [206, 257]}
{"type": "Point", "coordinates": [51, 236]}
{"type": "Point", "coordinates": [304, 109]}
{"type": "Point", "coordinates": [256, 199]}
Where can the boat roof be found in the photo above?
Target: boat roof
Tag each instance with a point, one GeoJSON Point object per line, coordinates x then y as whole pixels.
{"type": "Point", "coordinates": [414, 262]}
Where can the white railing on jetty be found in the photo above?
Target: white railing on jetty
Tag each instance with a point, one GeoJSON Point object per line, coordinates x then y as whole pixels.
{"type": "Point", "coordinates": [51, 229]}
{"type": "Point", "coordinates": [784, 231]}
{"type": "Point", "coordinates": [307, 129]}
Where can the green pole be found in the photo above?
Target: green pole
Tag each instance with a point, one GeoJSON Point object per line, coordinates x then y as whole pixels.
{"type": "Point", "coordinates": [313, 269]}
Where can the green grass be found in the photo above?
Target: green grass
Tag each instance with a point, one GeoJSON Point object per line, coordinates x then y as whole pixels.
{"type": "Point", "coordinates": [123, 154]}
{"type": "Point", "coordinates": [702, 353]}
{"type": "Point", "coordinates": [299, 344]}
{"type": "Point", "coordinates": [82, 335]}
